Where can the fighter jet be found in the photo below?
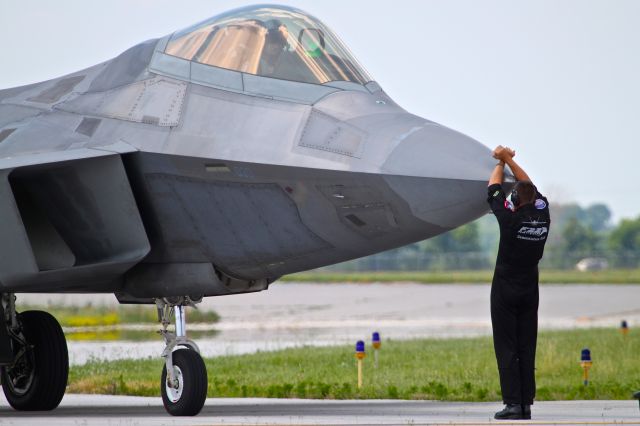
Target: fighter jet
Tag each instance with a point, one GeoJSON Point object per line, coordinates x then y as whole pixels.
{"type": "Point", "coordinates": [208, 162]}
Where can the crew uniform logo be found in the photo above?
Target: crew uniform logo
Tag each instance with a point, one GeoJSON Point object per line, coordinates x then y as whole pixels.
{"type": "Point", "coordinates": [533, 231]}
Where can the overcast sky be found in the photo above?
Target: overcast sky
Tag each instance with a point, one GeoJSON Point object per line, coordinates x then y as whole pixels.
{"type": "Point", "coordinates": [557, 80]}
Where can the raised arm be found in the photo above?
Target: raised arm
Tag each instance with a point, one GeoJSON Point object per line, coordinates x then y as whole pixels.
{"type": "Point", "coordinates": [517, 171]}
{"type": "Point", "coordinates": [497, 176]}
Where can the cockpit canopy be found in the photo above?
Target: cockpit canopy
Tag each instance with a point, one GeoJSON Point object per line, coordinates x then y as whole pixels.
{"type": "Point", "coordinates": [269, 41]}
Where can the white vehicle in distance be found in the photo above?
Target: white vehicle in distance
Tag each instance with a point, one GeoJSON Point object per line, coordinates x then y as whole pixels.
{"type": "Point", "coordinates": [592, 264]}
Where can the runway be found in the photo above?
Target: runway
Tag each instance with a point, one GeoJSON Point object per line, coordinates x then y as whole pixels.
{"type": "Point", "coordinates": [123, 410]}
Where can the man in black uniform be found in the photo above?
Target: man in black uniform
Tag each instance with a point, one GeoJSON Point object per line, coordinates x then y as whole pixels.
{"type": "Point", "coordinates": [524, 225]}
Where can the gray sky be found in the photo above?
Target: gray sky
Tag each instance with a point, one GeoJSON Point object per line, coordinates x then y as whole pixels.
{"type": "Point", "coordinates": [558, 80]}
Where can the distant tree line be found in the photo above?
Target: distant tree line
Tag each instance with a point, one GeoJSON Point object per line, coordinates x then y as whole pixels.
{"type": "Point", "coordinates": [576, 233]}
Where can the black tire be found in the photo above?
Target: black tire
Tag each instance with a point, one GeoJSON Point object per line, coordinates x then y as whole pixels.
{"type": "Point", "coordinates": [38, 380]}
{"type": "Point", "coordinates": [191, 368]}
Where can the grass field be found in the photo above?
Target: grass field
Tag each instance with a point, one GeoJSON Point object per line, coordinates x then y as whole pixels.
{"type": "Point", "coordinates": [609, 276]}
{"type": "Point", "coordinates": [452, 369]}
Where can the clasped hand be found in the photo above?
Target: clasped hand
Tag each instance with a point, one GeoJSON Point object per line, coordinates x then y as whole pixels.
{"type": "Point", "coordinates": [503, 153]}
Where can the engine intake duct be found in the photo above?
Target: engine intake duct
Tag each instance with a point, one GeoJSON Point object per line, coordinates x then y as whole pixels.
{"type": "Point", "coordinates": [77, 216]}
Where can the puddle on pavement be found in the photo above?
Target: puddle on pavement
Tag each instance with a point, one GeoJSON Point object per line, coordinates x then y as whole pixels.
{"type": "Point", "coordinates": [109, 334]}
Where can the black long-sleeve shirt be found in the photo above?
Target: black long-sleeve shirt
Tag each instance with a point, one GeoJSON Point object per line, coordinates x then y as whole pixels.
{"type": "Point", "coordinates": [523, 231]}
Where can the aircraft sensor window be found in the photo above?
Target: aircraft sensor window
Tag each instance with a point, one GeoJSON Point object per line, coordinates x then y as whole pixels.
{"type": "Point", "coordinates": [277, 42]}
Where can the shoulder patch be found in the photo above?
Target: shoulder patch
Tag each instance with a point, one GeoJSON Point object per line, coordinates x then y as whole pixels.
{"type": "Point", "coordinates": [495, 194]}
{"type": "Point", "coordinates": [540, 204]}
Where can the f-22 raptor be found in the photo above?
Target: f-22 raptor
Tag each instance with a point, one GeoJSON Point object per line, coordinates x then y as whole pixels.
{"type": "Point", "coordinates": [208, 162]}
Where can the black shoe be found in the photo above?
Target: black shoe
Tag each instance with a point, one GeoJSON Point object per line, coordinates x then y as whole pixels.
{"type": "Point", "coordinates": [510, 412]}
{"type": "Point", "coordinates": [526, 412]}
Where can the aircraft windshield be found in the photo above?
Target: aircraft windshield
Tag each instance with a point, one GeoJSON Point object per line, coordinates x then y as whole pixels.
{"type": "Point", "coordinates": [270, 41]}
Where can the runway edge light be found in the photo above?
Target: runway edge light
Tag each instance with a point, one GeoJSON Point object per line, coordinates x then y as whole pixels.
{"type": "Point", "coordinates": [585, 363]}
{"type": "Point", "coordinates": [376, 343]}
{"type": "Point", "coordinates": [360, 354]}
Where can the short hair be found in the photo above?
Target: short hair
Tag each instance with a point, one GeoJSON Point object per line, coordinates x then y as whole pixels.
{"type": "Point", "coordinates": [526, 191]}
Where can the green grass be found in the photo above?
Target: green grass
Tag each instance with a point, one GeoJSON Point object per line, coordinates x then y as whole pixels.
{"type": "Point", "coordinates": [451, 369]}
{"type": "Point", "coordinates": [92, 316]}
{"type": "Point", "coordinates": [609, 276]}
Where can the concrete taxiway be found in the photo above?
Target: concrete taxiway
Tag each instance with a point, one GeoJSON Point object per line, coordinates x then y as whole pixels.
{"type": "Point", "coordinates": [113, 410]}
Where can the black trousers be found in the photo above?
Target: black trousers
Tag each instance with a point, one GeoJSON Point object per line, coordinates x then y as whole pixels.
{"type": "Point", "coordinates": [514, 317]}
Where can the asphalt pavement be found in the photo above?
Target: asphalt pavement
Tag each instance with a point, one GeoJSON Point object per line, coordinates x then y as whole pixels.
{"type": "Point", "coordinates": [123, 410]}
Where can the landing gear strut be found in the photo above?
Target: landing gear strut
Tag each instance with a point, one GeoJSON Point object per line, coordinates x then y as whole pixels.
{"type": "Point", "coordinates": [36, 378]}
{"type": "Point", "coordinates": [184, 376]}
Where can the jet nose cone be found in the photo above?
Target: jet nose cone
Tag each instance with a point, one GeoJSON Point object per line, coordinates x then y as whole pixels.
{"type": "Point", "coordinates": [442, 175]}
{"type": "Point", "coordinates": [438, 152]}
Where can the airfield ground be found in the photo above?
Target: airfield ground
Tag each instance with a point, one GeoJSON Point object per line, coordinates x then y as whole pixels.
{"type": "Point", "coordinates": [303, 314]}
{"type": "Point", "coordinates": [461, 369]}
{"type": "Point", "coordinates": [547, 276]}
{"type": "Point", "coordinates": [298, 314]}
{"type": "Point", "coordinates": [123, 410]}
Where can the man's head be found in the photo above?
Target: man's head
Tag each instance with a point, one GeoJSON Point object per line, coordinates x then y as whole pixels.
{"type": "Point", "coordinates": [524, 192]}
{"type": "Point", "coordinates": [275, 39]}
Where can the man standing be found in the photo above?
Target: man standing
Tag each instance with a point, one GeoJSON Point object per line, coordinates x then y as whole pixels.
{"type": "Point", "coordinates": [524, 225]}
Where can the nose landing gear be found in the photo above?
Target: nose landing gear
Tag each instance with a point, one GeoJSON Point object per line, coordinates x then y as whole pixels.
{"type": "Point", "coordinates": [184, 381]}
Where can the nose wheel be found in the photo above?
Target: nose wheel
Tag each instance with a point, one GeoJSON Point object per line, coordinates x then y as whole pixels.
{"type": "Point", "coordinates": [186, 393]}
{"type": "Point", "coordinates": [183, 383]}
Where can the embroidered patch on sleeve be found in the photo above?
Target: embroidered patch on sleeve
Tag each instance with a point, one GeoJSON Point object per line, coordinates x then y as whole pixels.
{"type": "Point", "coordinates": [540, 204]}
